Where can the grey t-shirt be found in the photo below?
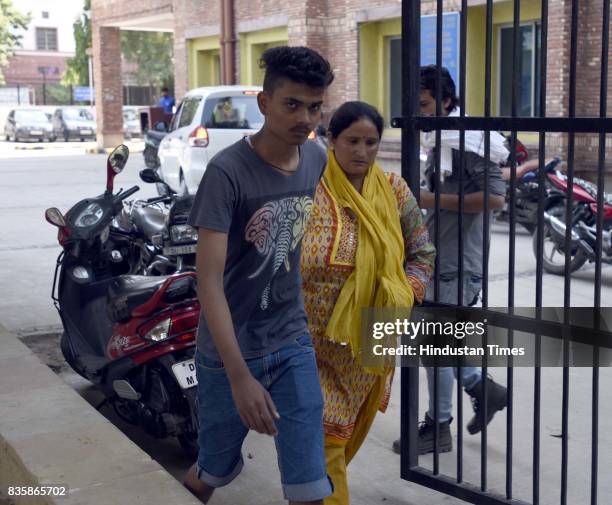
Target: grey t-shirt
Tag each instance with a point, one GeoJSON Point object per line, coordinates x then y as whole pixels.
{"type": "Point", "coordinates": [264, 213]}
{"type": "Point", "coordinates": [473, 181]}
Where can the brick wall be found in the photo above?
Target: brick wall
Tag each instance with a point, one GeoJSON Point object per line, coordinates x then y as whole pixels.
{"type": "Point", "coordinates": [106, 42]}
{"type": "Point", "coordinates": [331, 27]}
{"type": "Point", "coordinates": [23, 69]}
{"type": "Point", "coordinates": [188, 14]}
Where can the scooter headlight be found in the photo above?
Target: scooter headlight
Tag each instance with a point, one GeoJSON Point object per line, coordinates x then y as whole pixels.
{"type": "Point", "coordinates": [159, 332]}
{"type": "Point", "coordinates": [183, 233]}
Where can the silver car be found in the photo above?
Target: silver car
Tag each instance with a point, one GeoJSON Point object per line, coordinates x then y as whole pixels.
{"type": "Point", "coordinates": [206, 121]}
{"type": "Point", "coordinates": [131, 123]}
{"type": "Point", "coordinates": [28, 124]}
{"type": "Point", "coordinates": [74, 123]}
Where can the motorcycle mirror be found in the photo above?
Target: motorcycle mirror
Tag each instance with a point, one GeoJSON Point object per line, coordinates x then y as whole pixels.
{"type": "Point", "coordinates": [55, 217]}
{"type": "Point", "coordinates": [149, 175]}
{"type": "Point", "coordinates": [115, 164]}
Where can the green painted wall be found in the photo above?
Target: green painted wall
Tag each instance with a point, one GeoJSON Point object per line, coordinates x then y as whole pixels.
{"type": "Point", "coordinates": [374, 62]}
{"type": "Point", "coordinates": [203, 61]}
{"type": "Point", "coordinates": [252, 46]}
{"type": "Point", "coordinates": [374, 55]}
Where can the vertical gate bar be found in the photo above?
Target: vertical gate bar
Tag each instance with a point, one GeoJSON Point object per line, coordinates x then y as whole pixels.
{"type": "Point", "coordinates": [411, 47]}
{"type": "Point", "coordinates": [568, 230]}
{"type": "Point", "coordinates": [437, 175]}
{"type": "Point", "coordinates": [603, 99]}
{"type": "Point", "coordinates": [516, 41]}
{"type": "Point", "coordinates": [462, 79]}
{"type": "Point", "coordinates": [540, 253]}
{"type": "Point", "coordinates": [438, 178]}
{"type": "Point", "coordinates": [486, 227]}
{"type": "Point", "coordinates": [436, 444]}
{"type": "Point", "coordinates": [411, 58]}
{"type": "Point", "coordinates": [487, 146]}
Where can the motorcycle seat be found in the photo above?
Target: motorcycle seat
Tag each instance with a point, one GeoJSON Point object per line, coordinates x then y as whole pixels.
{"type": "Point", "coordinates": [150, 220]}
{"type": "Point", "coordinates": [127, 292]}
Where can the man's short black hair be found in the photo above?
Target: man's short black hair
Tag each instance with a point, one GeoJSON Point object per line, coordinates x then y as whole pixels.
{"type": "Point", "coordinates": [447, 85]}
{"type": "Point", "coordinates": [164, 90]}
{"type": "Point", "coordinates": [298, 64]}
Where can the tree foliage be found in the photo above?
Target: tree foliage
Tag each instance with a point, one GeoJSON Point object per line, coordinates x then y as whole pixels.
{"type": "Point", "coordinates": [153, 56]}
{"type": "Point", "coordinates": [77, 68]}
{"type": "Point", "coordinates": [10, 21]}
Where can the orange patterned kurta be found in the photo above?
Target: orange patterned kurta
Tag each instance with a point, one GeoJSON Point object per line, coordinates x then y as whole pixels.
{"type": "Point", "coordinates": [329, 248]}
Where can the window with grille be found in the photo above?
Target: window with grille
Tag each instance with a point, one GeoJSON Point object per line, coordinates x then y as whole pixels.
{"type": "Point", "coordinates": [46, 39]}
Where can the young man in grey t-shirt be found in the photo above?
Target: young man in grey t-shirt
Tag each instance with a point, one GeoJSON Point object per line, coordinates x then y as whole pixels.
{"type": "Point", "coordinates": [256, 367]}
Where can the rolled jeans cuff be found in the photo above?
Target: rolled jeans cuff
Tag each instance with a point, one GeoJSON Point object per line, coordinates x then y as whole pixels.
{"type": "Point", "coordinates": [309, 491]}
{"type": "Point", "coordinates": [214, 481]}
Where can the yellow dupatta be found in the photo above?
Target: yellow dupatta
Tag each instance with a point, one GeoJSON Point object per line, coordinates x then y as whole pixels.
{"type": "Point", "coordinates": [378, 279]}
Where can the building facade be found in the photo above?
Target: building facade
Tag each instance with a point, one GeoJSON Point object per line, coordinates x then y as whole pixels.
{"type": "Point", "coordinates": [45, 47]}
{"type": "Point", "coordinates": [362, 40]}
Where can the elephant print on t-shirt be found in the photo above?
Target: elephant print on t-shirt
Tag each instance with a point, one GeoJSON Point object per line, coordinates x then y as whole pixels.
{"type": "Point", "coordinates": [275, 230]}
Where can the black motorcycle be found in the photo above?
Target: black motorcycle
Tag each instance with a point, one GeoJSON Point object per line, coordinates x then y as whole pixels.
{"type": "Point", "coordinates": [164, 240]}
{"type": "Point", "coordinates": [132, 336]}
{"type": "Point", "coordinates": [527, 194]}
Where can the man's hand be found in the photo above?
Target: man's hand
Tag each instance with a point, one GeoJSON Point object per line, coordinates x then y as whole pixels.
{"type": "Point", "coordinates": [254, 404]}
{"type": "Point", "coordinates": [426, 199]}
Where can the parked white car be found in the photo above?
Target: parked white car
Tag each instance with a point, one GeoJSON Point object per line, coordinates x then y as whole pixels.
{"type": "Point", "coordinates": [207, 120]}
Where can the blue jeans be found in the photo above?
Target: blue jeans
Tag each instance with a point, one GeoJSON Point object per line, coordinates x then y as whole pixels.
{"type": "Point", "coordinates": [291, 377]}
{"type": "Point", "coordinates": [469, 374]}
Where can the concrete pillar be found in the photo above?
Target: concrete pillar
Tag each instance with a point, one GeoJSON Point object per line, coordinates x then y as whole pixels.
{"type": "Point", "coordinates": [107, 81]}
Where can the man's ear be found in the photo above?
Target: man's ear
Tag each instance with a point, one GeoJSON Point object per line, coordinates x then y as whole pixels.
{"type": "Point", "coordinates": [446, 103]}
{"type": "Point", "coordinates": [262, 102]}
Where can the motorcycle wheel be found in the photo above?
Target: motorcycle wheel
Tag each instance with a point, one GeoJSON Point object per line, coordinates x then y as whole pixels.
{"type": "Point", "coordinates": [553, 259]}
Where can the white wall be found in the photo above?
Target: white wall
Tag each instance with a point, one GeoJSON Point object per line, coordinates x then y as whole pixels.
{"type": "Point", "coordinates": [62, 15]}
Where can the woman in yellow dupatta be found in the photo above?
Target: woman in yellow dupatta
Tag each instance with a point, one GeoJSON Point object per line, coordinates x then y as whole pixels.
{"type": "Point", "coordinates": [365, 246]}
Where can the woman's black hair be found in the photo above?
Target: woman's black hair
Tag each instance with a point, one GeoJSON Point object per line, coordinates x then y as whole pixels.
{"type": "Point", "coordinates": [298, 64]}
{"type": "Point", "coordinates": [447, 85]}
{"type": "Point", "coordinates": [349, 112]}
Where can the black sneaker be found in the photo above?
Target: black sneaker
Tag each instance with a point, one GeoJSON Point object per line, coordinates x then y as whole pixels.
{"type": "Point", "coordinates": [497, 399]}
{"type": "Point", "coordinates": [426, 437]}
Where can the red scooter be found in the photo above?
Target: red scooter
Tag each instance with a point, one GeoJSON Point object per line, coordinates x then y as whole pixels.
{"type": "Point", "coordinates": [133, 336]}
{"type": "Point", "coordinates": [583, 221]}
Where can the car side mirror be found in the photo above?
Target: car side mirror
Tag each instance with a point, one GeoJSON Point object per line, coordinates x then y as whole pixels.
{"type": "Point", "coordinates": [161, 126]}
{"type": "Point", "coordinates": [150, 176]}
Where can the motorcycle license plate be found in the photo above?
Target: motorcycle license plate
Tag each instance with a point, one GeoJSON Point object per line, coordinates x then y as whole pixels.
{"type": "Point", "coordinates": [177, 250]}
{"type": "Point", "coordinates": [185, 373]}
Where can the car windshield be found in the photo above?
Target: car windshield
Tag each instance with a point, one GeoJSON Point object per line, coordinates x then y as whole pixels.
{"type": "Point", "coordinates": [78, 114]}
{"type": "Point", "coordinates": [233, 112]}
{"type": "Point", "coordinates": [129, 115]}
{"type": "Point", "coordinates": [31, 116]}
